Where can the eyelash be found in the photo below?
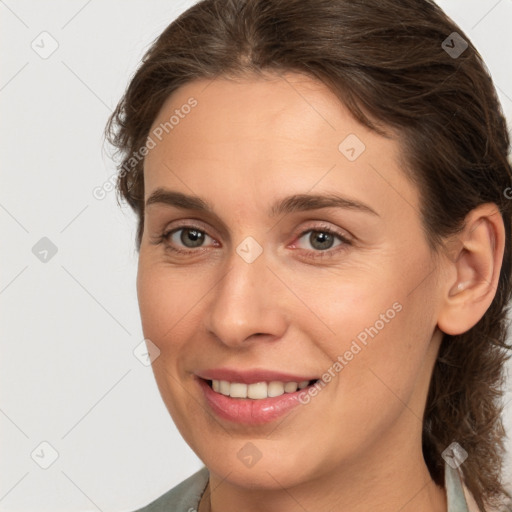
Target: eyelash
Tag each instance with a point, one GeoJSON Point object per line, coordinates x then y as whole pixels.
{"type": "Point", "coordinates": [318, 254]}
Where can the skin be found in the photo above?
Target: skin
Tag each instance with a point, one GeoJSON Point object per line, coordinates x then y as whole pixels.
{"type": "Point", "coordinates": [357, 445]}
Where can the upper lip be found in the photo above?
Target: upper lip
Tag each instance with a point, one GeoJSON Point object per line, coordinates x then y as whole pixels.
{"type": "Point", "coordinates": [251, 376]}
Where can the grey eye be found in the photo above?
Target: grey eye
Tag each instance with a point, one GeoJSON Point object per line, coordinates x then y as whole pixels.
{"type": "Point", "coordinates": [190, 237]}
{"type": "Point", "coordinates": [320, 239]}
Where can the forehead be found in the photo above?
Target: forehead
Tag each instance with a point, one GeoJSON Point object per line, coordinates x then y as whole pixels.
{"type": "Point", "coordinates": [289, 106]}
{"type": "Point", "coordinates": [269, 132]}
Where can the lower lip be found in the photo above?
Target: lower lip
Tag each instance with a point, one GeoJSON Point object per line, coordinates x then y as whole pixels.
{"type": "Point", "coordinates": [247, 410]}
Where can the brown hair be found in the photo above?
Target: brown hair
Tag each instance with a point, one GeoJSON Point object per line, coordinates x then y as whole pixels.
{"type": "Point", "coordinates": [386, 61]}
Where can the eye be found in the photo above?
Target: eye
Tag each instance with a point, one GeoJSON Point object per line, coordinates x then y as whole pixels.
{"type": "Point", "coordinates": [185, 239]}
{"type": "Point", "coordinates": [320, 240]}
{"type": "Point", "coordinates": [323, 241]}
{"type": "Point", "coordinates": [190, 237]}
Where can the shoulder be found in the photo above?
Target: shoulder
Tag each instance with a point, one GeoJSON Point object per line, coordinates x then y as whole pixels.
{"type": "Point", "coordinates": [182, 498]}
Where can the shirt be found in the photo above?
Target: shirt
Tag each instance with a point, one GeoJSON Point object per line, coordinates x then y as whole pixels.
{"type": "Point", "coordinates": [185, 497]}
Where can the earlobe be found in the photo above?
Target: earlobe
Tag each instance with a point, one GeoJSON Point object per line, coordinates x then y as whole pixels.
{"type": "Point", "coordinates": [474, 269]}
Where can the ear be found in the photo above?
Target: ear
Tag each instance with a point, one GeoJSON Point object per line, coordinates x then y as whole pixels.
{"type": "Point", "coordinates": [473, 265]}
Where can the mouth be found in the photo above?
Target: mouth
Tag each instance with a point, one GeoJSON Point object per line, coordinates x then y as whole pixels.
{"type": "Point", "coordinates": [257, 403]}
{"type": "Point", "coordinates": [254, 396]}
{"type": "Point", "coordinates": [258, 390]}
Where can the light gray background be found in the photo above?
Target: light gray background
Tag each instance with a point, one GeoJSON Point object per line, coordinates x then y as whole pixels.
{"type": "Point", "coordinates": [68, 375]}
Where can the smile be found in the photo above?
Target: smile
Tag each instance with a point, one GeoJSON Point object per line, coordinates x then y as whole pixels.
{"type": "Point", "coordinates": [257, 390]}
{"type": "Point", "coordinates": [252, 403]}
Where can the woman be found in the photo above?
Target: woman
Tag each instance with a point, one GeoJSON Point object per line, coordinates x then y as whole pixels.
{"type": "Point", "coordinates": [324, 254]}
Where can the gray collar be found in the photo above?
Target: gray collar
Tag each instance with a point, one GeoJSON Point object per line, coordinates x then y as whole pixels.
{"type": "Point", "coordinates": [454, 489]}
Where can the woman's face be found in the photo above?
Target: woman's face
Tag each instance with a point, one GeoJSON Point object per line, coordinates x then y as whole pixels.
{"type": "Point", "coordinates": [261, 287]}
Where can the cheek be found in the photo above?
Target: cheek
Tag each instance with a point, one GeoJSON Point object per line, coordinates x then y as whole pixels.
{"type": "Point", "coordinates": [380, 327]}
{"type": "Point", "coordinates": [166, 304]}
{"type": "Point", "coordinates": [167, 298]}
{"type": "Point", "coordinates": [387, 359]}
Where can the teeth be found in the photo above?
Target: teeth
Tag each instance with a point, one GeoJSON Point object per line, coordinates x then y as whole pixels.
{"type": "Point", "coordinates": [290, 387]}
{"type": "Point", "coordinates": [238, 390]}
{"type": "Point", "coordinates": [258, 390]}
{"type": "Point", "coordinates": [275, 388]}
{"type": "Point", "coordinates": [224, 386]}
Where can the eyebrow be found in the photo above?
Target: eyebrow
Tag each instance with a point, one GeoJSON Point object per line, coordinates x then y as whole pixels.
{"type": "Point", "coordinates": [290, 204]}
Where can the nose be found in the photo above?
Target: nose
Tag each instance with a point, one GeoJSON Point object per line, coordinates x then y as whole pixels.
{"type": "Point", "coordinates": [247, 303]}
